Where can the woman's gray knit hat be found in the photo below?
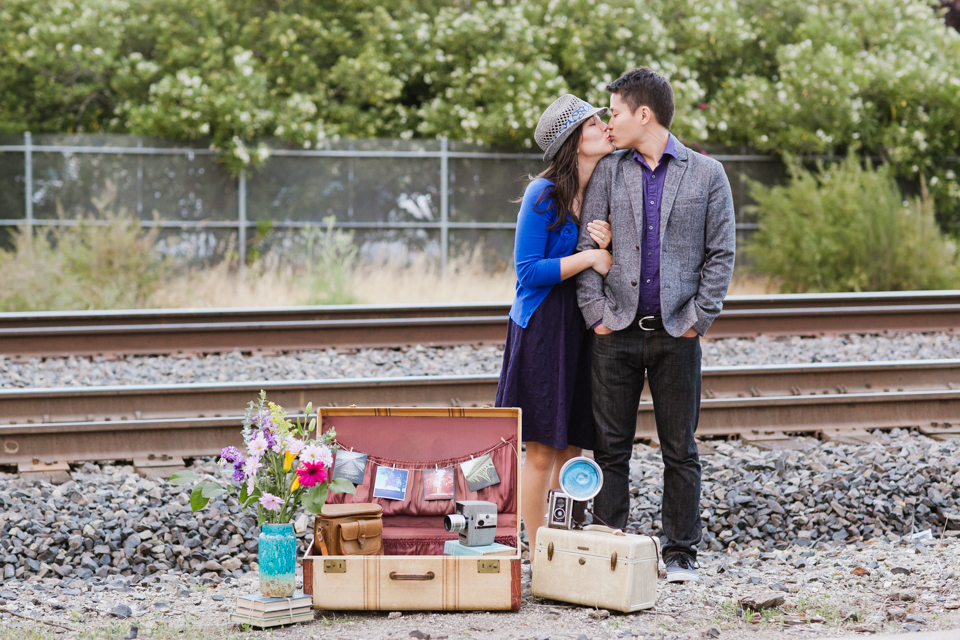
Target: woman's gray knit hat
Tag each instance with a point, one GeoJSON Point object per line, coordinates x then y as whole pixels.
{"type": "Point", "coordinates": [560, 120]}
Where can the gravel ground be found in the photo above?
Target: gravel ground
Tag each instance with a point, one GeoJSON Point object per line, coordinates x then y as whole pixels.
{"type": "Point", "coordinates": [417, 361]}
{"type": "Point", "coordinates": [110, 549]}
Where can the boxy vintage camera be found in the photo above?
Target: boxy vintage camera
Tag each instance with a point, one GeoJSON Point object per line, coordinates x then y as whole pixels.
{"type": "Point", "coordinates": [580, 480]}
{"type": "Point", "coordinates": [475, 522]}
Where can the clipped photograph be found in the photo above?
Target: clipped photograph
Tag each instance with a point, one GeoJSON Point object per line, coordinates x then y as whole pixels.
{"type": "Point", "coordinates": [390, 483]}
{"type": "Point", "coordinates": [350, 465]}
{"type": "Point", "coordinates": [480, 472]}
{"type": "Point", "coordinates": [438, 484]}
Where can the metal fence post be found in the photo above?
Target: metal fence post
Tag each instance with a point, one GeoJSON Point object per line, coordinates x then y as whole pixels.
{"type": "Point", "coordinates": [242, 218]}
{"type": "Point", "coordinates": [444, 203]}
{"type": "Point", "coordinates": [139, 180]}
{"type": "Point", "coordinates": [28, 178]}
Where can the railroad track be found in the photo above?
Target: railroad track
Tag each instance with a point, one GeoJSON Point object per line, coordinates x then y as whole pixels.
{"type": "Point", "coordinates": [115, 333]}
{"type": "Point", "coordinates": [762, 404]}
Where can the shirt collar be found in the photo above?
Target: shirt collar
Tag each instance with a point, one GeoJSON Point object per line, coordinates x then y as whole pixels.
{"type": "Point", "coordinates": [669, 150]}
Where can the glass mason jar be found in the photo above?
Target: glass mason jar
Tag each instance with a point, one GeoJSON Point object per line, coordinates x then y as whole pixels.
{"type": "Point", "coordinates": [277, 557]}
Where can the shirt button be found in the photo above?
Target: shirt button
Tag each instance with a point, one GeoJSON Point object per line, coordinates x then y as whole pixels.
{"type": "Point", "coordinates": [633, 283]}
{"type": "Point", "coordinates": [638, 247]}
{"type": "Point", "coordinates": [649, 254]}
{"type": "Point", "coordinates": [647, 308]}
{"type": "Point", "coordinates": [651, 202]}
{"type": "Point", "coordinates": [650, 228]}
{"type": "Point", "coordinates": [648, 281]}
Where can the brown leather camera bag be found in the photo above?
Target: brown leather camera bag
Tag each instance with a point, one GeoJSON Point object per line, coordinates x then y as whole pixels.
{"type": "Point", "coordinates": [349, 530]}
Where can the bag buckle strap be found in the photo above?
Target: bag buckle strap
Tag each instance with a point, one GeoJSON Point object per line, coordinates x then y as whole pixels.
{"type": "Point", "coordinates": [646, 318]}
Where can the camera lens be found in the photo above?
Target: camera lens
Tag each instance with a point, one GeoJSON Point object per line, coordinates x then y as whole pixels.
{"type": "Point", "coordinates": [559, 515]}
{"type": "Point", "coordinates": [454, 522]}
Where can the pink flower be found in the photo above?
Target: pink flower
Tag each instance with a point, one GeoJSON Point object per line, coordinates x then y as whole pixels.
{"type": "Point", "coordinates": [311, 474]}
{"type": "Point", "coordinates": [317, 453]}
{"type": "Point", "coordinates": [270, 502]}
{"type": "Point", "coordinates": [257, 447]}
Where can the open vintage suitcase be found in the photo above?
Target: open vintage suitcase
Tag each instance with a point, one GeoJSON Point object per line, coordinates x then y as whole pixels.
{"type": "Point", "coordinates": [596, 567]}
{"type": "Point", "coordinates": [413, 573]}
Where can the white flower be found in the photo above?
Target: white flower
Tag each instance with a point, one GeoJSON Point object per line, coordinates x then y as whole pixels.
{"type": "Point", "coordinates": [317, 453]}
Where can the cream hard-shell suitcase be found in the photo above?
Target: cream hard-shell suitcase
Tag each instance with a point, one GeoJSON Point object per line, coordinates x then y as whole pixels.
{"type": "Point", "coordinates": [597, 567]}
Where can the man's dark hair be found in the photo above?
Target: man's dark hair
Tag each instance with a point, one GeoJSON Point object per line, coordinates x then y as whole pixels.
{"type": "Point", "coordinates": [644, 87]}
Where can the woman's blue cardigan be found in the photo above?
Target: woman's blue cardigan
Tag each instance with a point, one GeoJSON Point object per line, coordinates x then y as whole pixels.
{"type": "Point", "coordinates": [537, 251]}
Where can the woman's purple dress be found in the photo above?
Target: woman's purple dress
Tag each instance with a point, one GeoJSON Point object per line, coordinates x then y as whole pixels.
{"type": "Point", "coordinates": [546, 372]}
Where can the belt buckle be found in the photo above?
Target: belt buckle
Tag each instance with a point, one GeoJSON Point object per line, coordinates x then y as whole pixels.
{"type": "Point", "coordinates": [646, 318]}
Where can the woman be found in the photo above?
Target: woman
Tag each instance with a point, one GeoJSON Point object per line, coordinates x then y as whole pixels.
{"type": "Point", "coordinates": [546, 362]}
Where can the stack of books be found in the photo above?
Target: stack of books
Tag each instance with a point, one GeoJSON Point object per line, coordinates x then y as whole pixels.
{"type": "Point", "coordinates": [261, 611]}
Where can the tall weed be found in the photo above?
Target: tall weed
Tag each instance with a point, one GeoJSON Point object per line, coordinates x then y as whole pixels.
{"type": "Point", "coordinates": [847, 227]}
{"type": "Point", "coordinates": [107, 264]}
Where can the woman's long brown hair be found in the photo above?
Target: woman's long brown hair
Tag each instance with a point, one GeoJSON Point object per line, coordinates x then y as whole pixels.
{"type": "Point", "coordinates": [564, 171]}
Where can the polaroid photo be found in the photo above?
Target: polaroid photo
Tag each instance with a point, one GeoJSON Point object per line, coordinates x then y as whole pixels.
{"type": "Point", "coordinates": [390, 483]}
{"type": "Point", "coordinates": [350, 465]}
{"type": "Point", "coordinates": [480, 472]}
{"type": "Point", "coordinates": [438, 484]}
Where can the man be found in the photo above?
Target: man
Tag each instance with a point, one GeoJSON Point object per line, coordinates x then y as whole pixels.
{"type": "Point", "coordinates": [671, 213]}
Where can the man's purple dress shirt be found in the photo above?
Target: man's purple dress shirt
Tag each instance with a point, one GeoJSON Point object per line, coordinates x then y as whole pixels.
{"type": "Point", "coordinates": [650, 257]}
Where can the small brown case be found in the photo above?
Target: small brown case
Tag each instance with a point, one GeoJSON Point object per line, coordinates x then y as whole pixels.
{"type": "Point", "coordinates": [349, 529]}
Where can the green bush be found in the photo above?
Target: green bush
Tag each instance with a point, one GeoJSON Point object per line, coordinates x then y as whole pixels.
{"type": "Point", "coordinates": [846, 227]}
{"type": "Point", "coordinates": [108, 265]}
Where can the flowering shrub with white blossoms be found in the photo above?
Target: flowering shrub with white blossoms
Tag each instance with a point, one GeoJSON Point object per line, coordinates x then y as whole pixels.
{"type": "Point", "coordinates": [279, 469]}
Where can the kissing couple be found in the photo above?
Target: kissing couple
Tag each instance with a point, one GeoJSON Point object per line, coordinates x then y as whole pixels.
{"type": "Point", "coordinates": [624, 252]}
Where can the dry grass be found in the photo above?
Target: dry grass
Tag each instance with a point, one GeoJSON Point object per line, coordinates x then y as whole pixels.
{"type": "Point", "coordinates": [418, 282]}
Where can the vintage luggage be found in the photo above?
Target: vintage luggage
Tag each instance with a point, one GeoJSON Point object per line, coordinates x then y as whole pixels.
{"type": "Point", "coordinates": [349, 530]}
{"type": "Point", "coordinates": [413, 573]}
{"type": "Point", "coordinates": [596, 567]}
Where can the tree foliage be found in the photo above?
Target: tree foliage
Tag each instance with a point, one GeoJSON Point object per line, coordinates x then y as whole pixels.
{"type": "Point", "coordinates": [777, 75]}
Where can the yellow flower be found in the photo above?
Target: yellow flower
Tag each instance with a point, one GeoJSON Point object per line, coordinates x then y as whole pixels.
{"type": "Point", "coordinates": [288, 461]}
{"type": "Point", "coordinates": [295, 485]}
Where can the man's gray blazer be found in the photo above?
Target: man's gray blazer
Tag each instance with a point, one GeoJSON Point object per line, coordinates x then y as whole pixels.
{"type": "Point", "coordinates": [697, 242]}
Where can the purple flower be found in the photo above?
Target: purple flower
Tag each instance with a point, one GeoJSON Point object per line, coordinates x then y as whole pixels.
{"type": "Point", "coordinates": [238, 470]}
{"type": "Point", "coordinates": [230, 455]}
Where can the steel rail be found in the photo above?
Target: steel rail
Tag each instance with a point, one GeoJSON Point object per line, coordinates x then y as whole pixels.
{"type": "Point", "coordinates": [121, 422]}
{"type": "Point", "coordinates": [288, 335]}
{"type": "Point", "coordinates": [114, 317]}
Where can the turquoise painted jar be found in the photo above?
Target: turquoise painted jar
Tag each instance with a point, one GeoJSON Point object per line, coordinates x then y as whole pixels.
{"type": "Point", "coordinates": [277, 557]}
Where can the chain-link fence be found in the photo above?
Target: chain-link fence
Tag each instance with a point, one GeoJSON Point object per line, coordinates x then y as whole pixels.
{"type": "Point", "coordinates": [433, 196]}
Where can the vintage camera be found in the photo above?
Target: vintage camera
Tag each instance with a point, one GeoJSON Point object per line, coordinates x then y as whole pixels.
{"type": "Point", "coordinates": [580, 480]}
{"type": "Point", "coordinates": [475, 522]}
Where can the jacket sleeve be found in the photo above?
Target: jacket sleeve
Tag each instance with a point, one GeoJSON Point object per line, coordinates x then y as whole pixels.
{"type": "Point", "coordinates": [720, 237]}
{"type": "Point", "coordinates": [533, 268]}
{"type": "Point", "coordinates": [596, 206]}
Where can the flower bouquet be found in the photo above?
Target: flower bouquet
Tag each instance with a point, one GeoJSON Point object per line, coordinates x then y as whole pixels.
{"type": "Point", "coordinates": [280, 470]}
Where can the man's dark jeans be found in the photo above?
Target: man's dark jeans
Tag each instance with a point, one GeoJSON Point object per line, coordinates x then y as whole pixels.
{"type": "Point", "coordinates": [673, 368]}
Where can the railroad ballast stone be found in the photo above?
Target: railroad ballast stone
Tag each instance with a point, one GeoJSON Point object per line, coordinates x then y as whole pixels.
{"type": "Point", "coordinates": [428, 361]}
{"type": "Point", "coordinates": [902, 484]}
{"type": "Point", "coordinates": [110, 522]}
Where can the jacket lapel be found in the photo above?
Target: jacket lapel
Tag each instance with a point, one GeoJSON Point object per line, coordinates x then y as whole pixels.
{"type": "Point", "coordinates": [671, 185]}
{"type": "Point", "coordinates": [633, 181]}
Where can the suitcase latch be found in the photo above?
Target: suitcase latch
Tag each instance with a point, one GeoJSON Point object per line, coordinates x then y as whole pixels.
{"type": "Point", "coordinates": [334, 566]}
{"type": "Point", "coordinates": [613, 561]}
{"type": "Point", "coordinates": [488, 566]}
{"type": "Point", "coordinates": [550, 551]}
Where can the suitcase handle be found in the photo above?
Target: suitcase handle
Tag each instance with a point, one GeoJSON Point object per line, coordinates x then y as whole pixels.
{"type": "Point", "coordinates": [429, 575]}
